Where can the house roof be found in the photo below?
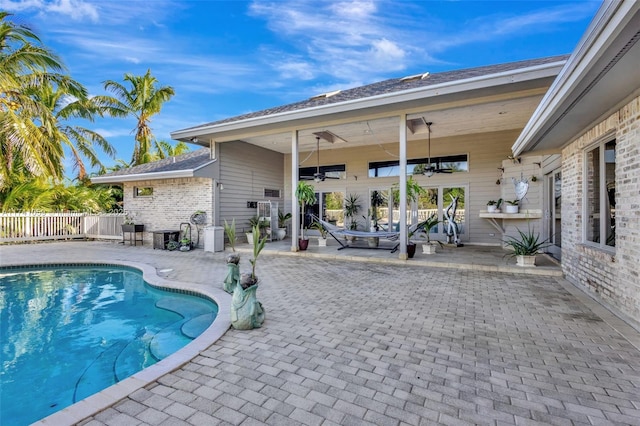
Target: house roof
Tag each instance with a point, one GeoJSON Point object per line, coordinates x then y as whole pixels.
{"type": "Point", "coordinates": [601, 75]}
{"type": "Point", "coordinates": [392, 85]}
{"type": "Point", "coordinates": [185, 165]}
{"type": "Point", "coordinates": [271, 128]}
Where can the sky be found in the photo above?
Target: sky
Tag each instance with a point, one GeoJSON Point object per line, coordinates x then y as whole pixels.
{"type": "Point", "coordinates": [226, 58]}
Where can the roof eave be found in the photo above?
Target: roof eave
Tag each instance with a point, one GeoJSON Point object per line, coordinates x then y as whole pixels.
{"type": "Point", "coordinates": [448, 88]}
{"type": "Point", "coordinates": [563, 95]}
{"type": "Point", "coordinates": [174, 174]}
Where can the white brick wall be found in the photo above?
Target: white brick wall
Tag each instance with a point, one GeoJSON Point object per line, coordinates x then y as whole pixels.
{"type": "Point", "coordinates": [610, 277]}
{"type": "Point", "coordinates": [173, 201]}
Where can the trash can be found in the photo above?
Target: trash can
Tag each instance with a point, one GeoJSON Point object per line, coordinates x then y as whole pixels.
{"type": "Point", "coordinates": [214, 238]}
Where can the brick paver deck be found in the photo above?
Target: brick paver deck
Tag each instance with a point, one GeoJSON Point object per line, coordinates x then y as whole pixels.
{"type": "Point", "coordinates": [381, 344]}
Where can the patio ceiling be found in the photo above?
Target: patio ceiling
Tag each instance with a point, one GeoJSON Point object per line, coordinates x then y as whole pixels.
{"type": "Point", "coordinates": [490, 117]}
{"type": "Point", "coordinates": [498, 102]}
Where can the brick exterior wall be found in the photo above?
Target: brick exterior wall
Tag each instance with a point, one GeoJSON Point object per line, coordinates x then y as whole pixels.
{"type": "Point", "coordinates": [609, 276]}
{"type": "Point", "coordinates": [173, 202]}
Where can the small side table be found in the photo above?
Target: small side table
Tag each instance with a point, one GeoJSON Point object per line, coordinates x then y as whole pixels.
{"type": "Point", "coordinates": [162, 237]}
{"type": "Point", "coordinates": [133, 230]}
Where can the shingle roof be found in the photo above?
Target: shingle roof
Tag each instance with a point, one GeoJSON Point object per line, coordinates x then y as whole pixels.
{"type": "Point", "coordinates": [391, 86]}
{"type": "Point", "coordinates": [189, 161]}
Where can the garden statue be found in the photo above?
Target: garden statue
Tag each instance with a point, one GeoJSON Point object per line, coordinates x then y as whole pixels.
{"type": "Point", "coordinates": [451, 226]}
{"type": "Point", "coordinates": [233, 275]}
{"type": "Point", "coordinates": [246, 311]}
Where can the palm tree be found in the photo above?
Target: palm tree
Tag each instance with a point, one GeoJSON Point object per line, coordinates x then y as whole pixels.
{"type": "Point", "coordinates": [164, 149]}
{"type": "Point", "coordinates": [80, 141]}
{"type": "Point", "coordinates": [142, 100]}
{"type": "Point", "coordinates": [24, 122]}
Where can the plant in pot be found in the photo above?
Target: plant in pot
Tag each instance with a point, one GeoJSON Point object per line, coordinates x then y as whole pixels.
{"type": "Point", "coordinates": [283, 218]}
{"type": "Point", "coordinates": [256, 222]}
{"type": "Point", "coordinates": [511, 206]}
{"type": "Point", "coordinates": [185, 242]}
{"type": "Point", "coordinates": [351, 209]}
{"type": "Point", "coordinates": [525, 246]}
{"type": "Point", "coordinates": [230, 232]}
{"type": "Point", "coordinates": [414, 190]}
{"type": "Point", "coordinates": [322, 241]}
{"type": "Point", "coordinates": [306, 195]}
{"type": "Point", "coordinates": [246, 311]}
{"type": "Point", "coordinates": [493, 206]}
{"type": "Point", "coordinates": [429, 247]}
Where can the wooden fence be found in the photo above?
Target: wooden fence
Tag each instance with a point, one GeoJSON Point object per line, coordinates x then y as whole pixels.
{"type": "Point", "coordinates": [35, 226]}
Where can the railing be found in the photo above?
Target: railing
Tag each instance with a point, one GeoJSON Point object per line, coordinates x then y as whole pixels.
{"type": "Point", "coordinates": [35, 226]}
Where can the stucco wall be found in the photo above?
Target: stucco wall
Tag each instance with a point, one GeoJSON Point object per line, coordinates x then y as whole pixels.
{"type": "Point", "coordinates": [173, 202]}
{"type": "Point", "coordinates": [609, 275]}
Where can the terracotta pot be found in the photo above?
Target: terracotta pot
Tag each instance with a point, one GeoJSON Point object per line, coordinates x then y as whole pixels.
{"type": "Point", "coordinates": [303, 243]}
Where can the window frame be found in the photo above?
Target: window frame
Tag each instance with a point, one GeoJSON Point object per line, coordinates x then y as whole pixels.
{"type": "Point", "coordinates": [436, 161]}
{"type": "Point", "coordinates": [599, 145]}
{"type": "Point", "coordinates": [138, 189]}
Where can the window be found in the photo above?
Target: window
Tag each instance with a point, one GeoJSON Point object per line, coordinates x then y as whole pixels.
{"type": "Point", "coordinates": [271, 193]}
{"type": "Point", "coordinates": [600, 194]}
{"type": "Point", "coordinates": [146, 191]}
{"type": "Point", "coordinates": [457, 163]}
{"type": "Point", "coordinates": [336, 171]}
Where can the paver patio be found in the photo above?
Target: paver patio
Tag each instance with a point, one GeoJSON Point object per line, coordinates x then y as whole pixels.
{"type": "Point", "coordinates": [356, 343]}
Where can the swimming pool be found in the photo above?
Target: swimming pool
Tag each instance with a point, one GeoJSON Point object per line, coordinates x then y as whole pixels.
{"type": "Point", "coordinates": [69, 332]}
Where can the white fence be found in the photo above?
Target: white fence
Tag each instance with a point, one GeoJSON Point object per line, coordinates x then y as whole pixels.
{"type": "Point", "coordinates": [34, 226]}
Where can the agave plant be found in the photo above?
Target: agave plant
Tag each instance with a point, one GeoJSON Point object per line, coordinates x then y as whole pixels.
{"type": "Point", "coordinates": [526, 244]}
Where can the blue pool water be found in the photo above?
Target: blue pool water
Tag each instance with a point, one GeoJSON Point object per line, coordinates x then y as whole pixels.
{"type": "Point", "coordinates": [67, 333]}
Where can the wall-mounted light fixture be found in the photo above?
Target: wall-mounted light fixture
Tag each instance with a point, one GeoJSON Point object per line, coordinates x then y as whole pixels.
{"type": "Point", "coordinates": [220, 186]}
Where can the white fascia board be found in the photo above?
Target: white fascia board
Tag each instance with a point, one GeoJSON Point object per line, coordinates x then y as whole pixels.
{"type": "Point", "coordinates": [143, 176]}
{"type": "Point", "coordinates": [458, 86]}
{"type": "Point", "coordinates": [608, 22]}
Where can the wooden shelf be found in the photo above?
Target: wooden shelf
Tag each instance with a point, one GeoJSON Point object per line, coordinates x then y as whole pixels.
{"type": "Point", "coordinates": [527, 214]}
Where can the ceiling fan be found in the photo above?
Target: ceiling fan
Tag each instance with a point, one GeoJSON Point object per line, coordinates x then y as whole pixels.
{"type": "Point", "coordinates": [317, 176]}
{"type": "Point", "coordinates": [429, 170]}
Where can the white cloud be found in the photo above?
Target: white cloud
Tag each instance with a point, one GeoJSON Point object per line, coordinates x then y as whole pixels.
{"type": "Point", "coordinates": [77, 10]}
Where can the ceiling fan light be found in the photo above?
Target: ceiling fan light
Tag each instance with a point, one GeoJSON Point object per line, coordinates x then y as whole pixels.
{"type": "Point", "coordinates": [428, 172]}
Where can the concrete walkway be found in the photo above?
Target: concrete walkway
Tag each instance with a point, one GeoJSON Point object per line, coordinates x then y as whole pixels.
{"type": "Point", "coordinates": [366, 343]}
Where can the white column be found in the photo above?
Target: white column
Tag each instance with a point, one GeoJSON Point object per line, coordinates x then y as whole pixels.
{"type": "Point", "coordinates": [403, 187]}
{"type": "Point", "coordinates": [295, 206]}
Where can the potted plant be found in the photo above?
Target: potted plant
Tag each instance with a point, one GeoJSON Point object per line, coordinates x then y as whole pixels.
{"type": "Point", "coordinates": [185, 242]}
{"type": "Point", "coordinates": [525, 246]}
{"type": "Point", "coordinates": [414, 190]}
{"type": "Point", "coordinates": [230, 232]}
{"type": "Point", "coordinates": [246, 311]}
{"type": "Point", "coordinates": [256, 223]}
{"type": "Point", "coordinates": [283, 218]}
{"type": "Point", "coordinates": [429, 247]}
{"type": "Point", "coordinates": [306, 195]}
{"type": "Point", "coordinates": [322, 241]}
{"type": "Point", "coordinates": [511, 206]}
{"type": "Point", "coordinates": [493, 206]}
{"type": "Point", "coordinates": [351, 209]}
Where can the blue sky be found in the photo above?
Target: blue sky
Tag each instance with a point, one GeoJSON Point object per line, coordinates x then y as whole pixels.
{"type": "Point", "coordinates": [226, 58]}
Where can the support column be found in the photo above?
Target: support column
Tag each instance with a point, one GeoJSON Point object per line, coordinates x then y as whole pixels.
{"type": "Point", "coordinates": [295, 206]}
{"type": "Point", "coordinates": [403, 187]}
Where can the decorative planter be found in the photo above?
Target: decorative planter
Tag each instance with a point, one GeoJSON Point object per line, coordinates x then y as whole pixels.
{"type": "Point", "coordinates": [249, 238]}
{"type": "Point", "coordinates": [322, 242]}
{"type": "Point", "coordinates": [526, 260]}
{"type": "Point", "coordinates": [492, 209]}
{"type": "Point", "coordinates": [511, 209]}
{"type": "Point", "coordinates": [281, 233]}
{"type": "Point", "coordinates": [429, 248]}
{"type": "Point", "coordinates": [246, 312]}
{"type": "Point", "coordinates": [411, 250]}
{"type": "Point", "coordinates": [373, 241]}
{"type": "Point", "coordinates": [303, 243]}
